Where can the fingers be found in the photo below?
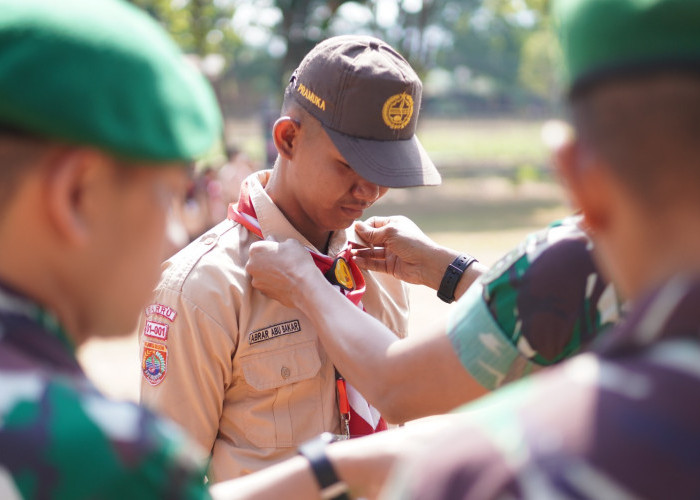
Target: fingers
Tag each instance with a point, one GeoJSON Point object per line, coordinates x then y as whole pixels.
{"type": "Point", "coordinates": [267, 253]}
{"type": "Point", "coordinates": [371, 264]}
{"type": "Point", "coordinates": [369, 253]}
{"type": "Point", "coordinates": [376, 221]}
{"type": "Point", "coordinates": [374, 231]}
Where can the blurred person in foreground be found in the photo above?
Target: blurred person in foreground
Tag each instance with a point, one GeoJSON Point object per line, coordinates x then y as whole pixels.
{"type": "Point", "coordinates": [99, 115]}
{"type": "Point", "coordinates": [245, 375]}
{"type": "Point", "coordinates": [622, 421]}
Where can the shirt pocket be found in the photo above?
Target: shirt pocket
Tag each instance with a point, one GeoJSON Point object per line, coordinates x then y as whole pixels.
{"type": "Point", "coordinates": [284, 395]}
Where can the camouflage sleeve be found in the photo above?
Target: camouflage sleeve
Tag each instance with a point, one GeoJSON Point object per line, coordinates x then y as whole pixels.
{"type": "Point", "coordinates": [485, 352]}
{"type": "Point", "coordinates": [543, 302]}
{"type": "Point", "coordinates": [70, 443]}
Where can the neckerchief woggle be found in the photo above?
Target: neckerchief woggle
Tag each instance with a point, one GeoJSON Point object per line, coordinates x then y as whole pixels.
{"type": "Point", "coordinates": [358, 417]}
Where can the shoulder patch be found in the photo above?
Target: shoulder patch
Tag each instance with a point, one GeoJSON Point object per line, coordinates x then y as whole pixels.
{"type": "Point", "coordinates": [273, 331]}
{"type": "Point", "coordinates": [161, 310]}
{"type": "Point", "coordinates": [156, 330]}
{"type": "Point", "coordinates": [154, 362]}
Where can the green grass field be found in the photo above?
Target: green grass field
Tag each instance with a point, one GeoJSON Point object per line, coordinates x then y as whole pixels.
{"type": "Point", "coordinates": [449, 142]}
{"type": "Point", "coordinates": [500, 142]}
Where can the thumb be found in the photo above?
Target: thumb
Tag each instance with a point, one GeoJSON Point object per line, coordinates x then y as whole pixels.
{"type": "Point", "coordinates": [367, 233]}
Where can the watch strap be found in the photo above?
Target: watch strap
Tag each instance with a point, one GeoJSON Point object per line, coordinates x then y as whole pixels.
{"type": "Point", "coordinates": [314, 451]}
{"type": "Point", "coordinates": [452, 275]}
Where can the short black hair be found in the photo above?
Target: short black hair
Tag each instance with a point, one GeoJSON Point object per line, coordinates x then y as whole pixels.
{"type": "Point", "coordinates": [646, 127]}
{"type": "Point", "coordinates": [17, 149]}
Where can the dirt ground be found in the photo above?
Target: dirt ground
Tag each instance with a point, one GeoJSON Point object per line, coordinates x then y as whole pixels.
{"type": "Point", "coordinates": [483, 216]}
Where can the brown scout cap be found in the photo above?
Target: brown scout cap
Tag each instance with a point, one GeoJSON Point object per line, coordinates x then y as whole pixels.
{"type": "Point", "coordinates": [367, 97]}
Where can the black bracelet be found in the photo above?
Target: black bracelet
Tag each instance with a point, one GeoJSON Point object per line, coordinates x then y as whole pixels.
{"type": "Point", "coordinates": [452, 275]}
{"type": "Point", "coordinates": [314, 451]}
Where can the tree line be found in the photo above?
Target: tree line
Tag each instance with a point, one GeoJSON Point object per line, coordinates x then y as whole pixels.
{"type": "Point", "coordinates": [475, 56]}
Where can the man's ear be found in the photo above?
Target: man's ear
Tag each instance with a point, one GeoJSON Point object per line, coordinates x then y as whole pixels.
{"type": "Point", "coordinates": [565, 157]}
{"type": "Point", "coordinates": [284, 134]}
{"type": "Point", "coordinates": [587, 183]}
{"type": "Point", "coordinates": [71, 173]}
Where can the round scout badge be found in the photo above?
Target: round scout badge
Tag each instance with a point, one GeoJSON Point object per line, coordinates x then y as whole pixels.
{"type": "Point", "coordinates": [339, 274]}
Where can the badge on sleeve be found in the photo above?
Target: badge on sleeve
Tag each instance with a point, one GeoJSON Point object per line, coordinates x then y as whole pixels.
{"type": "Point", "coordinates": [161, 310]}
{"type": "Point", "coordinates": [154, 362]}
{"type": "Point", "coordinates": [156, 330]}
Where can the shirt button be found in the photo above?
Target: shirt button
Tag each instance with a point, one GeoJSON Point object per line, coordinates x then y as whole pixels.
{"type": "Point", "coordinates": [208, 240]}
{"type": "Point", "coordinates": [285, 372]}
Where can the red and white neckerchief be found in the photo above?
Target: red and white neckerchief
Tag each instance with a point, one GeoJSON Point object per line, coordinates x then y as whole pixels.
{"type": "Point", "coordinates": [359, 418]}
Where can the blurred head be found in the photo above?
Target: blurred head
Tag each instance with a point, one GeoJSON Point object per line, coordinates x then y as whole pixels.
{"type": "Point", "coordinates": [97, 125]}
{"type": "Point", "coordinates": [634, 95]}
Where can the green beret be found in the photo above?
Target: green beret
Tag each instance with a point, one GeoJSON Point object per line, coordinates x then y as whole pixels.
{"type": "Point", "coordinates": [601, 38]}
{"type": "Point", "coordinates": [102, 73]}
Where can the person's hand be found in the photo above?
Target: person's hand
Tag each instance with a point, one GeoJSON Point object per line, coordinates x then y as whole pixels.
{"type": "Point", "coordinates": [398, 247]}
{"type": "Point", "coordinates": [281, 271]}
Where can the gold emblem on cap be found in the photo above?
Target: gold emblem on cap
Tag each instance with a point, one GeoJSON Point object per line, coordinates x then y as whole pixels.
{"type": "Point", "coordinates": [397, 111]}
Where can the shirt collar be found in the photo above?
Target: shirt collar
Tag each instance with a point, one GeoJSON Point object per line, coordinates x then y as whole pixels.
{"type": "Point", "coordinates": [273, 222]}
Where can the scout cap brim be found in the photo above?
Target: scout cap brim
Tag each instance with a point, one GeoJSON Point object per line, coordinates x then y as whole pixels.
{"type": "Point", "coordinates": [395, 164]}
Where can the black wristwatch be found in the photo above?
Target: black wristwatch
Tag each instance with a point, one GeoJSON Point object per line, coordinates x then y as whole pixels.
{"type": "Point", "coordinates": [314, 451]}
{"type": "Point", "coordinates": [452, 275]}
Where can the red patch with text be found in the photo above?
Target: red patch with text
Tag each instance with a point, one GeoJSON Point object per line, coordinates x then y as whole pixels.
{"type": "Point", "coordinates": [161, 310]}
{"type": "Point", "coordinates": [156, 330]}
{"type": "Point", "coordinates": [154, 362]}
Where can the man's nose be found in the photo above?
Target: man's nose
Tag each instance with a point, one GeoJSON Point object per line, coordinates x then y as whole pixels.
{"type": "Point", "coordinates": [366, 191]}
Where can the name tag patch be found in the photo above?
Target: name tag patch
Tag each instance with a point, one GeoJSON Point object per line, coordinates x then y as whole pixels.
{"type": "Point", "coordinates": [156, 330]}
{"type": "Point", "coordinates": [161, 310]}
{"type": "Point", "coordinates": [273, 331]}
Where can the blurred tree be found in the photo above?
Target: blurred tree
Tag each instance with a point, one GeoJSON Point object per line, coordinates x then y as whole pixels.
{"type": "Point", "coordinates": [500, 52]}
{"type": "Point", "coordinates": [497, 52]}
{"type": "Point", "coordinates": [538, 71]}
{"type": "Point", "coordinates": [200, 27]}
{"type": "Point", "coordinates": [305, 23]}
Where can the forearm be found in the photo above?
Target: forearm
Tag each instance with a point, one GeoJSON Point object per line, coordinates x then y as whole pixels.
{"type": "Point", "coordinates": [357, 343]}
{"type": "Point", "coordinates": [291, 480]}
{"type": "Point", "coordinates": [471, 274]}
{"type": "Point", "coordinates": [435, 264]}
{"type": "Point", "coordinates": [363, 464]}
{"type": "Point", "coordinates": [403, 378]}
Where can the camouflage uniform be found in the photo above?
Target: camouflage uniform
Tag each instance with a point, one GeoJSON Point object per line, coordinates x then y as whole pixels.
{"type": "Point", "coordinates": [543, 302]}
{"type": "Point", "coordinates": [630, 429]}
{"type": "Point", "coordinates": [60, 438]}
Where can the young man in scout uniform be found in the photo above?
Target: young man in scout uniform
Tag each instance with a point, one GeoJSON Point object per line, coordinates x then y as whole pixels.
{"type": "Point", "coordinates": [245, 375]}
{"type": "Point", "coordinates": [94, 137]}
{"type": "Point", "coordinates": [623, 421]}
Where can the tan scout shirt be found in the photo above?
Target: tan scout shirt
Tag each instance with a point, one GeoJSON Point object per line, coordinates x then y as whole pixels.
{"type": "Point", "coordinates": [246, 376]}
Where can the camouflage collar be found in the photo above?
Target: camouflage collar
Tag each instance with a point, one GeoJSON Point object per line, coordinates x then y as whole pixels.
{"type": "Point", "coordinates": [13, 302]}
{"type": "Point", "coordinates": [670, 311]}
